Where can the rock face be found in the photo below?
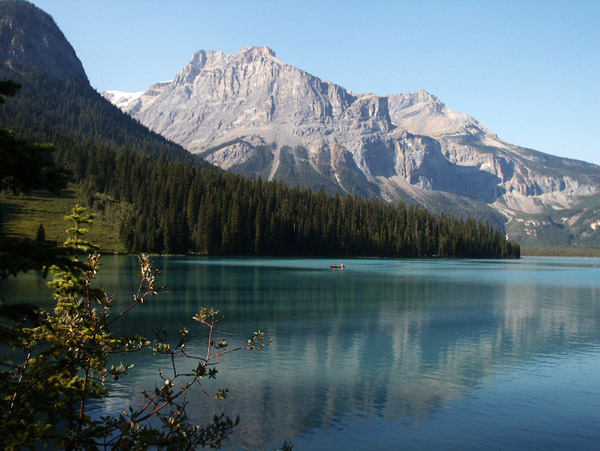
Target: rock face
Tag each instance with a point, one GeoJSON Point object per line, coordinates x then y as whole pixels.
{"type": "Point", "coordinates": [30, 37]}
{"type": "Point", "coordinates": [216, 96]}
{"type": "Point", "coordinates": [254, 114]}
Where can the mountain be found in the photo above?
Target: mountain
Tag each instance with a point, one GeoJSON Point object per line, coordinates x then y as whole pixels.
{"type": "Point", "coordinates": [29, 37]}
{"type": "Point", "coordinates": [56, 100]}
{"type": "Point", "coordinates": [252, 113]}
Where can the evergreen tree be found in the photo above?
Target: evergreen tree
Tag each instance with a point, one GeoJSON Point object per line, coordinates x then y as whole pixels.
{"type": "Point", "coordinates": [40, 235]}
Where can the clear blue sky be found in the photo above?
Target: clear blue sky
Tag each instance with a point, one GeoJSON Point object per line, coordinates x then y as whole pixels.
{"type": "Point", "coordinates": [528, 70]}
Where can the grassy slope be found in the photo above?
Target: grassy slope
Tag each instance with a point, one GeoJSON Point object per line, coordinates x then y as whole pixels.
{"type": "Point", "coordinates": [23, 215]}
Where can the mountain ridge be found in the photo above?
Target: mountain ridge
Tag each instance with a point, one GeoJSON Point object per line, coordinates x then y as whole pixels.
{"type": "Point", "coordinates": [230, 107]}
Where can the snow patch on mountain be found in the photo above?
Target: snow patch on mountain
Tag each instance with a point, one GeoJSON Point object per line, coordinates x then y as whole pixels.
{"type": "Point", "coordinates": [122, 99]}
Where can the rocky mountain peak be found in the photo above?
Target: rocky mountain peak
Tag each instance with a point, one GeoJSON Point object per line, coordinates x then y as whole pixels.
{"type": "Point", "coordinates": [420, 97]}
{"type": "Point", "coordinates": [204, 59]}
{"type": "Point", "coordinates": [251, 53]}
{"type": "Point", "coordinates": [30, 37]}
{"type": "Point", "coordinates": [424, 114]}
{"type": "Point", "coordinates": [251, 92]}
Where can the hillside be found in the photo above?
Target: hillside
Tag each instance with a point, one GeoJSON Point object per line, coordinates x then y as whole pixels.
{"type": "Point", "coordinates": [56, 99]}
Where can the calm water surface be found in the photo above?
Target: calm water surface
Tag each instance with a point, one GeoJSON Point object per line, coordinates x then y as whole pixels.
{"type": "Point", "coordinates": [385, 354]}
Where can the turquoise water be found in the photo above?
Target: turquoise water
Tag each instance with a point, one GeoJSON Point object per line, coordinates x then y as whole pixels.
{"type": "Point", "coordinates": [384, 354]}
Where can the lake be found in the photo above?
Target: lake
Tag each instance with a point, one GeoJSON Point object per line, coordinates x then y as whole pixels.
{"type": "Point", "coordinates": [384, 354]}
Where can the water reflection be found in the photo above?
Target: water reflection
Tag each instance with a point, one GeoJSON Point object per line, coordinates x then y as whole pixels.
{"type": "Point", "coordinates": [395, 340]}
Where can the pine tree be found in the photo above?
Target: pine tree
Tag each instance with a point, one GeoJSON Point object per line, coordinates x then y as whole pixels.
{"type": "Point", "coordinates": [40, 235]}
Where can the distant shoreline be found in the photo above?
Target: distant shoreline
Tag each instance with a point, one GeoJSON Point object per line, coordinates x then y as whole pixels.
{"type": "Point", "coordinates": [559, 252]}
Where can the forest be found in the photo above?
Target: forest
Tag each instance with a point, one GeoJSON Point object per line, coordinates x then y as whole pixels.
{"type": "Point", "coordinates": [178, 208]}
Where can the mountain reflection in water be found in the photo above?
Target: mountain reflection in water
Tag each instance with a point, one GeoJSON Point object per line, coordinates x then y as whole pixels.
{"type": "Point", "coordinates": [387, 347]}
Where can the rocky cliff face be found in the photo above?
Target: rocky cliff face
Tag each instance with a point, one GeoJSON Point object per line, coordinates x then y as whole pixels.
{"type": "Point", "coordinates": [218, 97]}
{"type": "Point", "coordinates": [30, 37]}
{"type": "Point", "coordinates": [252, 113]}
{"type": "Point", "coordinates": [516, 181]}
